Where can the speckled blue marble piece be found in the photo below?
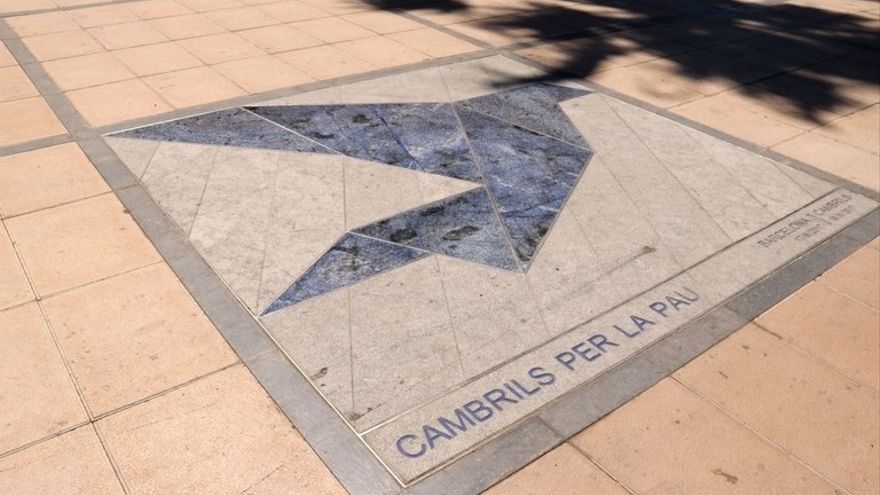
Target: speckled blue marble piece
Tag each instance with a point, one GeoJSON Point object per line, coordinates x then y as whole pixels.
{"type": "Point", "coordinates": [463, 226]}
{"type": "Point", "coordinates": [234, 127]}
{"type": "Point", "coordinates": [352, 259]}
{"type": "Point", "coordinates": [534, 106]}
{"type": "Point", "coordinates": [529, 176]}
{"type": "Point", "coordinates": [425, 136]}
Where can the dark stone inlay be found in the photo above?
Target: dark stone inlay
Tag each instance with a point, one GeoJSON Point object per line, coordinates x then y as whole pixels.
{"type": "Point", "coordinates": [535, 107]}
{"type": "Point", "coordinates": [463, 226]}
{"type": "Point", "coordinates": [352, 259]}
{"type": "Point", "coordinates": [234, 127]}
{"type": "Point", "coordinates": [423, 136]}
{"type": "Point", "coordinates": [529, 176]}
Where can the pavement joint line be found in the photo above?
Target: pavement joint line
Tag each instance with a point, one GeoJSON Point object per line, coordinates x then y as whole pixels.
{"type": "Point", "coordinates": [468, 467]}
{"type": "Point", "coordinates": [36, 144]}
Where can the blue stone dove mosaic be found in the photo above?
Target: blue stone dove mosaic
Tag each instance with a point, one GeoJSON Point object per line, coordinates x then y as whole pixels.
{"type": "Point", "coordinates": [517, 145]}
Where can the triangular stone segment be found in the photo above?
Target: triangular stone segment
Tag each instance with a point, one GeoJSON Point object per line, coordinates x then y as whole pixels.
{"type": "Point", "coordinates": [463, 226]}
{"type": "Point", "coordinates": [426, 137]}
{"type": "Point", "coordinates": [234, 127]}
{"type": "Point", "coordinates": [535, 107]}
{"type": "Point", "coordinates": [352, 259]}
{"type": "Point", "coordinates": [529, 176]}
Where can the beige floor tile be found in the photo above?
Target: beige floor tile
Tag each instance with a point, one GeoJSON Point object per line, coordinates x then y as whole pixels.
{"type": "Point", "coordinates": [669, 441]}
{"type": "Point", "coordinates": [156, 59]}
{"type": "Point", "coordinates": [861, 129]}
{"type": "Point", "coordinates": [219, 434]}
{"type": "Point", "coordinates": [154, 9]}
{"type": "Point", "coordinates": [835, 157]}
{"type": "Point", "coordinates": [646, 86]}
{"type": "Point", "coordinates": [276, 39]}
{"type": "Point", "coordinates": [6, 58]}
{"type": "Point", "coordinates": [433, 43]}
{"type": "Point", "coordinates": [191, 87]}
{"type": "Point", "coordinates": [87, 70]}
{"type": "Point", "coordinates": [117, 102]}
{"type": "Point", "coordinates": [875, 244]}
{"type": "Point", "coordinates": [71, 245]}
{"type": "Point", "coordinates": [38, 397]}
{"type": "Point", "coordinates": [333, 29]}
{"type": "Point", "coordinates": [857, 276]}
{"type": "Point", "coordinates": [837, 330]}
{"type": "Point", "coordinates": [61, 45]}
{"type": "Point", "coordinates": [243, 18]}
{"type": "Point", "coordinates": [340, 7]}
{"type": "Point", "coordinates": [210, 5]}
{"type": "Point", "coordinates": [382, 52]}
{"type": "Point", "coordinates": [219, 48]}
{"type": "Point", "coordinates": [26, 120]}
{"type": "Point", "coordinates": [326, 62]}
{"type": "Point", "coordinates": [73, 463]}
{"type": "Point", "coordinates": [739, 121]}
{"type": "Point", "coordinates": [103, 15]}
{"type": "Point", "coordinates": [186, 26]}
{"type": "Point", "coordinates": [818, 415]}
{"type": "Point", "coordinates": [46, 177]}
{"type": "Point", "coordinates": [15, 85]}
{"type": "Point", "coordinates": [49, 22]}
{"type": "Point", "coordinates": [382, 22]}
{"type": "Point", "coordinates": [259, 74]}
{"type": "Point", "coordinates": [562, 471]}
{"type": "Point", "coordinates": [14, 287]}
{"type": "Point", "coordinates": [119, 36]}
{"type": "Point", "coordinates": [134, 335]}
{"type": "Point", "coordinates": [293, 11]}
{"type": "Point", "coordinates": [25, 5]}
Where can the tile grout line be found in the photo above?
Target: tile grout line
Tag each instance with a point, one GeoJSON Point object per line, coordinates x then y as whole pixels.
{"type": "Point", "coordinates": [601, 467]}
{"type": "Point", "coordinates": [757, 433]}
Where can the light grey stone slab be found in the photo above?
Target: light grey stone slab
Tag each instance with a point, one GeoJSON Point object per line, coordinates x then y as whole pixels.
{"type": "Point", "coordinates": [134, 153]}
{"type": "Point", "coordinates": [683, 225]}
{"type": "Point", "coordinates": [730, 205]}
{"type": "Point", "coordinates": [485, 75]}
{"type": "Point", "coordinates": [176, 176]}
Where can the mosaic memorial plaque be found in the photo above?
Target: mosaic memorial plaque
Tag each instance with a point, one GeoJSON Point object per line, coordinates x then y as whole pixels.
{"type": "Point", "coordinates": [444, 252]}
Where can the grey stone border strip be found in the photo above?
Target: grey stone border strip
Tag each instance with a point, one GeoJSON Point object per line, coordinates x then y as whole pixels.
{"type": "Point", "coordinates": [347, 456]}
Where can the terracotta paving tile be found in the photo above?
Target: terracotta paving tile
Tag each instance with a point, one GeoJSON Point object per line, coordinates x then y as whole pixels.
{"type": "Point", "coordinates": [6, 58]}
{"type": "Point", "coordinates": [276, 39]}
{"type": "Point", "coordinates": [193, 87]}
{"type": "Point", "coordinates": [333, 29]}
{"type": "Point", "coordinates": [119, 36]}
{"type": "Point", "coordinates": [860, 129]}
{"type": "Point", "coordinates": [210, 5]}
{"type": "Point", "coordinates": [46, 177]}
{"type": "Point", "coordinates": [134, 335]}
{"type": "Point", "coordinates": [259, 74]}
{"type": "Point", "coordinates": [382, 22]}
{"type": "Point", "coordinates": [326, 62]}
{"type": "Point", "coordinates": [74, 462]}
{"type": "Point", "coordinates": [14, 287]}
{"type": "Point", "coordinates": [49, 22]}
{"type": "Point", "coordinates": [340, 7]}
{"type": "Point", "coordinates": [433, 43]}
{"type": "Point", "coordinates": [156, 59]}
{"type": "Point", "coordinates": [186, 26]}
{"type": "Point", "coordinates": [26, 120]}
{"type": "Point", "coordinates": [15, 85]}
{"type": "Point", "coordinates": [835, 157]}
{"type": "Point", "coordinates": [74, 244]}
{"type": "Point", "coordinates": [739, 121]}
{"type": "Point", "coordinates": [61, 45]}
{"type": "Point", "coordinates": [293, 11]}
{"type": "Point", "coordinates": [117, 102]}
{"type": "Point", "coordinates": [646, 86]}
{"type": "Point", "coordinates": [87, 70]}
{"type": "Point", "coordinates": [218, 434]}
{"type": "Point", "coordinates": [38, 397]}
{"type": "Point", "coordinates": [562, 471]}
{"type": "Point", "coordinates": [818, 415]}
{"type": "Point", "coordinates": [668, 440]}
{"type": "Point", "coordinates": [154, 9]}
{"type": "Point", "coordinates": [875, 244]}
{"type": "Point", "coordinates": [220, 48]}
{"type": "Point", "coordinates": [382, 52]}
{"type": "Point", "coordinates": [243, 18]}
{"type": "Point", "coordinates": [25, 5]}
{"type": "Point", "coordinates": [857, 277]}
{"type": "Point", "coordinates": [103, 15]}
